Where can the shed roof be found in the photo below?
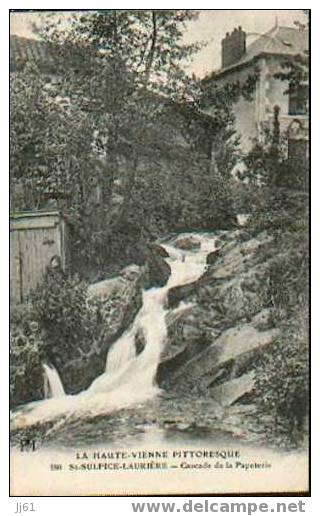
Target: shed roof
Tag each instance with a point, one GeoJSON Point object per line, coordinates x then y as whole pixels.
{"type": "Point", "coordinates": [33, 213]}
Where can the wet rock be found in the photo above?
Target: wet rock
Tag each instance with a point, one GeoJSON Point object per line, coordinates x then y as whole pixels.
{"type": "Point", "coordinates": [263, 319]}
{"type": "Point", "coordinates": [119, 299]}
{"type": "Point", "coordinates": [131, 272]}
{"type": "Point", "coordinates": [236, 295]}
{"type": "Point", "coordinates": [119, 303]}
{"type": "Point", "coordinates": [243, 219]}
{"type": "Point", "coordinates": [157, 271]}
{"type": "Point", "coordinates": [78, 374]}
{"type": "Point", "coordinates": [177, 294]}
{"type": "Point", "coordinates": [229, 392]}
{"type": "Point", "coordinates": [188, 335]}
{"type": "Point", "coordinates": [212, 257]}
{"type": "Point", "coordinates": [158, 250]}
{"type": "Point", "coordinates": [240, 339]}
{"type": "Point", "coordinates": [173, 316]}
{"type": "Point", "coordinates": [188, 243]}
{"type": "Point", "coordinates": [228, 355]}
{"type": "Point", "coordinates": [139, 341]}
{"type": "Point", "coordinates": [104, 289]}
{"type": "Point", "coordinates": [215, 348]}
{"type": "Point", "coordinates": [238, 256]}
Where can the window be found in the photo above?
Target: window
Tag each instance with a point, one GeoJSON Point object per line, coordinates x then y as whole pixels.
{"type": "Point", "coordinates": [298, 100]}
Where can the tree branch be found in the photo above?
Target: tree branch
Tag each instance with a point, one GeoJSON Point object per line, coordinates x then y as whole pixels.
{"type": "Point", "coordinates": [151, 54]}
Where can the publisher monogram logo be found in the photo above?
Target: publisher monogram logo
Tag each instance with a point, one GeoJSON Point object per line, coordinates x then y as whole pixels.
{"type": "Point", "coordinates": [27, 445]}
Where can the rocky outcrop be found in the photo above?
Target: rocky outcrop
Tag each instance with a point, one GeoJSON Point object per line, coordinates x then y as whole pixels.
{"type": "Point", "coordinates": [178, 294]}
{"type": "Point", "coordinates": [228, 356]}
{"type": "Point", "coordinates": [188, 335]}
{"type": "Point", "coordinates": [188, 243]}
{"type": "Point", "coordinates": [230, 391]}
{"type": "Point", "coordinates": [213, 349]}
{"type": "Point", "coordinates": [139, 341]}
{"type": "Point", "coordinates": [156, 270]}
{"type": "Point", "coordinates": [119, 300]}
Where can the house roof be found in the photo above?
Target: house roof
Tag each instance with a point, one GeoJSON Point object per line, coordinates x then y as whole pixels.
{"type": "Point", "coordinates": [283, 41]}
{"type": "Point", "coordinates": [26, 49]}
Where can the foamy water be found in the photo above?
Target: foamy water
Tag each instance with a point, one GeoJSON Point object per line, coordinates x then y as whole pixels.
{"type": "Point", "coordinates": [53, 387]}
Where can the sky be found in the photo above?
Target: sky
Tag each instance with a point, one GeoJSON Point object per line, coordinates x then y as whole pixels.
{"type": "Point", "coordinates": [210, 27]}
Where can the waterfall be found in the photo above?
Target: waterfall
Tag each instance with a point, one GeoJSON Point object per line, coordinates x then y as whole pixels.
{"type": "Point", "coordinates": [128, 376]}
{"type": "Point", "coordinates": [121, 354]}
{"type": "Point", "coordinates": [125, 372]}
{"type": "Point", "coordinates": [129, 379]}
{"type": "Point", "coordinates": [53, 387]}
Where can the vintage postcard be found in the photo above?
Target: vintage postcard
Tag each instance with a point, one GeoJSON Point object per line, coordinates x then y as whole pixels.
{"type": "Point", "coordinates": [159, 252]}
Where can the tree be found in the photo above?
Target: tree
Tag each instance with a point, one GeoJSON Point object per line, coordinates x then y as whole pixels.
{"type": "Point", "coordinates": [124, 99]}
{"type": "Point", "coordinates": [49, 142]}
{"type": "Point", "coordinates": [295, 68]}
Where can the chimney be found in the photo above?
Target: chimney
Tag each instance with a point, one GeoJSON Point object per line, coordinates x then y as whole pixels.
{"type": "Point", "coordinates": [233, 47]}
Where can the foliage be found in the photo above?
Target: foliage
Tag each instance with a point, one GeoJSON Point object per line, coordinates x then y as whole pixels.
{"type": "Point", "coordinates": [140, 56]}
{"type": "Point", "coordinates": [278, 193]}
{"type": "Point", "coordinates": [282, 385]}
{"type": "Point", "coordinates": [267, 163]}
{"type": "Point", "coordinates": [68, 321]}
{"type": "Point", "coordinates": [147, 44]}
{"type": "Point", "coordinates": [26, 351]}
{"type": "Point", "coordinates": [295, 68]}
{"type": "Point", "coordinates": [120, 98]}
{"type": "Point", "coordinates": [49, 143]}
{"type": "Point", "coordinates": [295, 71]}
{"type": "Point", "coordinates": [282, 376]}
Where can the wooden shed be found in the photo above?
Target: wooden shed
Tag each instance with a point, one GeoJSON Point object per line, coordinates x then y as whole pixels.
{"type": "Point", "coordinates": [35, 237]}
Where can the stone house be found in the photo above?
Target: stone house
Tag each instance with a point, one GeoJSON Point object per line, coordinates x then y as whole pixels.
{"type": "Point", "coordinates": [264, 58]}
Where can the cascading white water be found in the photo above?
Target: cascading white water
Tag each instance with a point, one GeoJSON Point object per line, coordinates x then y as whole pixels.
{"type": "Point", "coordinates": [53, 387]}
{"type": "Point", "coordinates": [128, 378]}
{"type": "Point", "coordinates": [133, 375]}
{"type": "Point", "coordinates": [127, 373]}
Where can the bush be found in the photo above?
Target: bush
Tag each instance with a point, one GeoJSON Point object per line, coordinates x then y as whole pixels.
{"type": "Point", "coordinates": [282, 386]}
{"type": "Point", "coordinates": [282, 376]}
{"type": "Point", "coordinates": [68, 321]}
{"type": "Point", "coordinates": [26, 354]}
{"type": "Point", "coordinates": [279, 205]}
